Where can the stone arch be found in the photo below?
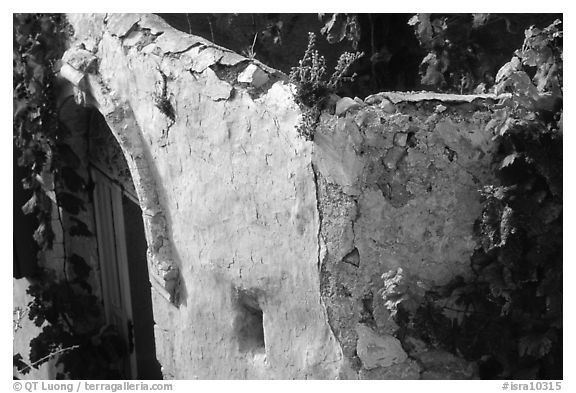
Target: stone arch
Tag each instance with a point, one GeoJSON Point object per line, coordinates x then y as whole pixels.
{"type": "Point", "coordinates": [90, 90]}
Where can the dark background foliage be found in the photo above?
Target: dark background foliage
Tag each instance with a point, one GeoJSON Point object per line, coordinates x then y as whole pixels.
{"type": "Point", "coordinates": [469, 48]}
{"type": "Point", "coordinates": [507, 316]}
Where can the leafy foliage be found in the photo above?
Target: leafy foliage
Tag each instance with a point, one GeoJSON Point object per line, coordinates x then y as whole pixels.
{"type": "Point", "coordinates": [35, 120]}
{"type": "Point", "coordinates": [457, 57]}
{"type": "Point", "coordinates": [402, 289]}
{"type": "Point", "coordinates": [64, 307]}
{"type": "Point", "coordinates": [508, 315]}
{"type": "Point", "coordinates": [340, 27]}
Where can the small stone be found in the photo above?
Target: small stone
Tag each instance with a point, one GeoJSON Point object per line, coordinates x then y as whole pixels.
{"type": "Point", "coordinates": [331, 102]}
{"type": "Point", "coordinates": [80, 59]}
{"type": "Point", "coordinates": [393, 156]}
{"type": "Point", "coordinates": [414, 345]}
{"type": "Point", "coordinates": [400, 139]}
{"type": "Point", "coordinates": [361, 118]}
{"type": "Point", "coordinates": [384, 322]}
{"type": "Point", "coordinates": [375, 137]}
{"type": "Point", "coordinates": [433, 118]}
{"type": "Point", "coordinates": [480, 89]}
{"type": "Point", "coordinates": [253, 75]}
{"type": "Point", "coordinates": [378, 351]}
{"type": "Point", "coordinates": [359, 100]}
{"type": "Point", "coordinates": [90, 44]}
{"type": "Point", "coordinates": [406, 370]}
{"type": "Point", "coordinates": [344, 105]}
{"type": "Point", "coordinates": [443, 365]}
{"type": "Point", "coordinates": [71, 74]}
{"type": "Point", "coordinates": [373, 99]}
{"type": "Point", "coordinates": [387, 106]}
{"type": "Point", "coordinates": [440, 108]}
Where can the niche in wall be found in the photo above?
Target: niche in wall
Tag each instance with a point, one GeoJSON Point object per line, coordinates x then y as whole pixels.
{"type": "Point", "coordinates": [249, 323]}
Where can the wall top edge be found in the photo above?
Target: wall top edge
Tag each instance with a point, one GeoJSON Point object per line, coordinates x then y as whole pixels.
{"type": "Point", "coordinates": [418, 96]}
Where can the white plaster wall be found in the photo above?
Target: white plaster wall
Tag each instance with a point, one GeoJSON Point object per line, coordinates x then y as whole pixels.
{"type": "Point", "coordinates": [236, 187]}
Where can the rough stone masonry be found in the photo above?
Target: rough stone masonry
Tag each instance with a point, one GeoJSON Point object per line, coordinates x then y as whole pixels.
{"type": "Point", "coordinates": [266, 250]}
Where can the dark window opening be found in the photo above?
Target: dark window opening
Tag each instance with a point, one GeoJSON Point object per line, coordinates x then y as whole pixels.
{"type": "Point", "coordinates": [143, 334]}
{"type": "Point", "coordinates": [249, 324]}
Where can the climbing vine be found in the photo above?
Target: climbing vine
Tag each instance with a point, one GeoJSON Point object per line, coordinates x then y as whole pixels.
{"type": "Point", "coordinates": [508, 315]}
{"type": "Point", "coordinates": [63, 304]}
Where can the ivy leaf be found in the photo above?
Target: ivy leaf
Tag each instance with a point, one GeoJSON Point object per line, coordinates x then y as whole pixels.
{"type": "Point", "coordinates": [44, 236]}
{"type": "Point", "coordinates": [71, 203]}
{"type": "Point", "coordinates": [328, 27]}
{"type": "Point", "coordinates": [508, 69]}
{"type": "Point", "coordinates": [67, 155]}
{"type": "Point", "coordinates": [84, 285]}
{"type": "Point", "coordinates": [523, 85]}
{"type": "Point", "coordinates": [41, 346]}
{"type": "Point", "coordinates": [38, 71]}
{"type": "Point", "coordinates": [537, 345]}
{"type": "Point", "coordinates": [524, 92]}
{"type": "Point", "coordinates": [80, 228]}
{"type": "Point", "coordinates": [509, 160]}
{"type": "Point", "coordinates": [338, 28]}
{"type": "Point", "coordinates": [21, 366]}
{"type": "Point", "coordinates": [479, 20]}
{"type": "Point", "coordinates": [423, 28]}
{"type": "Point", "coordinates": [452, 307]}
{"type": "Point", "coordinates": [36, 316]}
{"type": "Point", "coordinates": [432, 69]}
{"type": "Point", "coordinates": [20, 107]}
{"type": "Point", "coordinates": [546, 78]}
{"type": "Point", "coordinates": [79, 266]}
{"type": "Point", "coordinates": [72, 179]}
{"type": "Point", "coordinates": [30, 205]}
{"type": "Point", "coordinates": [30, 182]}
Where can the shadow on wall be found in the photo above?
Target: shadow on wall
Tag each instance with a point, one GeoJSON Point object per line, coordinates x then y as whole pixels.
{"type": "Point", "coordinates": [180, 291]}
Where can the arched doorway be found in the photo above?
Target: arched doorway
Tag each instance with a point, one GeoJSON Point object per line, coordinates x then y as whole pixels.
{"type": "Point", "coordinates": [122, 251]}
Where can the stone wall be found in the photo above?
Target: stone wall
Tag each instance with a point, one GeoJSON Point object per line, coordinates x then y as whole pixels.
{"type": "Point", "coordinates": [266, 250]}
{"type": "Point", "coordinates": [398, 188]}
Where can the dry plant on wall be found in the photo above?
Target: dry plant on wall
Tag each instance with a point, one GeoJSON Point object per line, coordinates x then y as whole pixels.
{"type": "Point", "coordinates": [313, 88]}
